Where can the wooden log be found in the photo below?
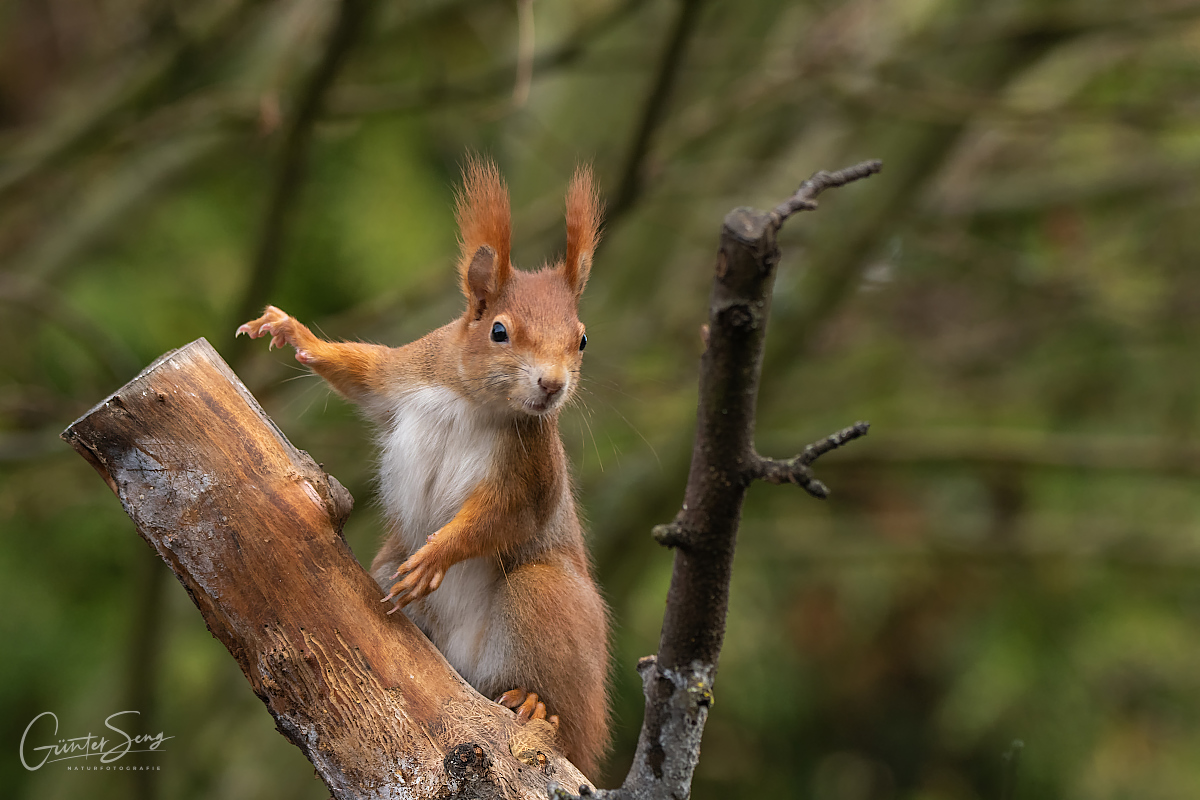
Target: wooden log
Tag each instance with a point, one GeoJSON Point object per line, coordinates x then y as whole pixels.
{"type": "Point", "coordinates": [251, 527]}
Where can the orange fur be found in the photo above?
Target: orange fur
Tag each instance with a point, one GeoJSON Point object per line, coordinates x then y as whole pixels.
{"type": "Point", "coordinates": [511, 550]}
{"type": "Point", "coordinates": [484, 218]}
{"type": "Point", "coordinates": [583, 228]}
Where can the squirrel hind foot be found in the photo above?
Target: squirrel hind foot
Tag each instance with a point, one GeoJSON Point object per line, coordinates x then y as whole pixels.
{"type": "Point", "coordinates": [537, 733]}
{"type": "Point", "coordinates": [527, 706]}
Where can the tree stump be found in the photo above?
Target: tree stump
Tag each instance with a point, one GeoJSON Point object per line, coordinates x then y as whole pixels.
{"type": "Point", "coordinates": [251, 527]}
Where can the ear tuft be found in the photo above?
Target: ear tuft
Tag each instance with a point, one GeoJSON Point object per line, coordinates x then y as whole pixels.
{"type": "Point", "coordinates": [484, 223]}
{"type": "Point", "coordinates": [583, 228]}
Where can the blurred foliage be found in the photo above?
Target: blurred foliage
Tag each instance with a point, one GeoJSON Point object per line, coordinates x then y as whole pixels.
{"type": "Point", "coordinates": [1011, 554]}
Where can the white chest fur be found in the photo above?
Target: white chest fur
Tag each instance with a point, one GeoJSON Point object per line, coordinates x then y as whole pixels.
{"type": "Point", "coordinates": [438, 448]}
{"type": "Point", "coordinates": [436, 451]}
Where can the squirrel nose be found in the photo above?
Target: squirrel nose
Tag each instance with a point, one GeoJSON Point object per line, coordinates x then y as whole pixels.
{"type": "Point", "coordinates": [551, 386]}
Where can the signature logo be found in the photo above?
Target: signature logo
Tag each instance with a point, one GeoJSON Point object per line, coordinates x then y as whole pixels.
{"type": "Point", "coordinates": [85, 747]}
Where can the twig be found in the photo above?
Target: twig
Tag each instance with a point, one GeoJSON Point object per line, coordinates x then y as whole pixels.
{"type": "Point", "coordinates": [1030, 450]}
{"type": "Point", "coordinates": [670, 534]}
{"type": "Point", "coordinates": [805, 198]}
{"type": "Point", "coordinates": [796, 470]}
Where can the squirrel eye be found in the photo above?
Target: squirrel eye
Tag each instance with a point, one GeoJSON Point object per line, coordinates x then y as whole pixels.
{"type": "Point", "coordinates": [583, 342]}
{"type": "Point", "coordinates": [499, 333]}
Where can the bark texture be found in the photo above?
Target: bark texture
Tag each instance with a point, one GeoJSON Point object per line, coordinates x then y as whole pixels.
{"type": "Point", "coordinates": [251, 527]}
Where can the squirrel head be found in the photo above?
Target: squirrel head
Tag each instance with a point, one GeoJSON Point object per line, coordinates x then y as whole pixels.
{"type": "Point", "coordinates": [522, 341]}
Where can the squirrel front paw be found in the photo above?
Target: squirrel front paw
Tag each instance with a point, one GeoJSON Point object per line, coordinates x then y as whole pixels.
{"type": "Point", "coordinates": [281, 328]}
{"type": "Point", "coordinates": [273, 322]}
{"type": "Point", "coordinates": [423, 573]}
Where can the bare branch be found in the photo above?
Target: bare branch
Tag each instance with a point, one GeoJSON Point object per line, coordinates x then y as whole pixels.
{"type": "Point", "coordinates": [797, 470]}
{"type": "Point", "coordinates": [805, 198]}
{"type": "Point", "coordinates": [678, 683]}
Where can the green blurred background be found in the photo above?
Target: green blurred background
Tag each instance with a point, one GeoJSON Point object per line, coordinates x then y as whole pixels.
{"type": "Point", "coordinates": [1011, 554]}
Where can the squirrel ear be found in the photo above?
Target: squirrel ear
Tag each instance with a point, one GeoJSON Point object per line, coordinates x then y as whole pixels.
{"type": "Point", "coordinates": [583, 228]}
{"type": "Point", "coordinates": [485, 228]}
{"type": "Point", "coordinates": [479, 286]}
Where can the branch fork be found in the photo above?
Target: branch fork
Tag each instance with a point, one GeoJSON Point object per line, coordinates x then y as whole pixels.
{"type": "Point", "coordinates": [797, 470]}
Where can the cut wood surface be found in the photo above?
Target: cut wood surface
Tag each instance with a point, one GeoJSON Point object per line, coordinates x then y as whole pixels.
{"type": "Point", "coordinates": [251, 526]}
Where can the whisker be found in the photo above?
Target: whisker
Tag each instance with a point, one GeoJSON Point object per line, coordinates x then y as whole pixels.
{"type": "Point", "coordinates": [312, 399]}
{"type": "Point", "coordinates": [616, 451]}
{"type": "Point", "coordinates": [594, 445]}
{"type": "Point", "coordinates": [638, 432]}
{"type": "Point", "coordinates": [517, 428]}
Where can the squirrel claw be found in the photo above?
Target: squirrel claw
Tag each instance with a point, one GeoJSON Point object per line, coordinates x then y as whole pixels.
{"type": "Point", "coordinates": [423, 573]}
{"type": "Point", "coordinates": [422, 578]}
{"type": "Point", "coordinates": [400, 602]}
{"type": "Point", "coordinates": [526, 706]}
{"type": "Point", "coordinates": [530, 708]}
{"type": "Point", "coordinates": [267, 325]}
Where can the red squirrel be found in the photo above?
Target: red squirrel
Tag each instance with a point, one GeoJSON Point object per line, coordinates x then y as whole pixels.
{"type": "Point", "coordinates": [485, 538]}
